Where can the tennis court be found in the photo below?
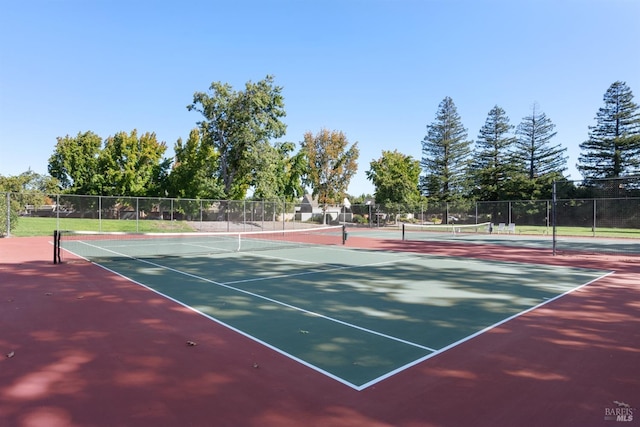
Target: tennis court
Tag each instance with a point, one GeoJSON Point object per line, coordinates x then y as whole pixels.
{"type": "Point", "coordinates": [478, 234]}
{"type": "Point", "coordinates": [374, 331]}
{"type": "Point", "coordinates": [357, 316]}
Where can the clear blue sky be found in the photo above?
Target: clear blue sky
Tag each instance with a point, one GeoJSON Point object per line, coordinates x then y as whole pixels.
{"type": "Point", "coordinates": [374, 69]}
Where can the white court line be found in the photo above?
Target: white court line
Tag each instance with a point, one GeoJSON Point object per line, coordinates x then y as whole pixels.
{"type": "Point", "coordinates": [433, 352]}
{"type": "Point", "coordinates": [278, 302]}
{"type": "Point", "coordinates": [236, 330]}
{"type": "Point", "coordinates": [480, 332]}
{"type": "Point", "coordinates": [251, 337]}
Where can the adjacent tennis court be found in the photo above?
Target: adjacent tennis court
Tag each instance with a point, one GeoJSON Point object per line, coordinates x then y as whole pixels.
{"type": "Point", "coordinates": [486, 234]}
{"type": "Point", "coordinates": [358, 316]}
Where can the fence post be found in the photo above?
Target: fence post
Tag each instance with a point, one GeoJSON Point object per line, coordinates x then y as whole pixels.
{"type": "Point", "coordinates": [8, 214]}
{"type": "Point", "coordinates": [553, 215]}
{"type": "Point", "coordinates": [446, 212]}
{"type": "Point", "coordinates": [58, 211]}
{"type": "Point", "coordinates": [593, 228]}
{"type": "Point", "coordinates": [476, 206]}
{"type": "Point", "coordinates": [100, 213]}
{"type": "Point", "coordinates": [547, 219]}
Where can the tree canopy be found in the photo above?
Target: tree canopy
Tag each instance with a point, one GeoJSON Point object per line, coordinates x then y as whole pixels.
{"type": "Point", "coordinates": [235, 148]}
{"type": "Point", "coordinates": [29, 182]}
{"type": "Point", "coordinates": [331, 164]}
{"type": "Point", "coordinates": [494, 167]}
{"type": "Point", "coordinates": [133, 165]}
{"type": "Point", "coordinates": [125, 165]}
{"type": "Point", "coordinates": [445, 155]}
{"type": "Point", "coordinates": [613, 147]}
{"type": "Point", "coordinates": [194, 173]}
{"type": "Point", "coordinates": [395, 177]}
{"type": "Point", "coordinates": [74, 163]}
{"type": "Point", "coordinates": [540, 161]}
{"type": "Point", "coordinates": [534, 151]}
{"type": "Point", "coordinates": [239, 125]}
{"type": "Point", "coordinates": [277, 173]}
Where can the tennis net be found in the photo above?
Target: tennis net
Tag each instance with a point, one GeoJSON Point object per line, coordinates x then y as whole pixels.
{"type": "Point", "coordinates": [434, 231]}
{"type": "Point", "coordinates": [109, 245]}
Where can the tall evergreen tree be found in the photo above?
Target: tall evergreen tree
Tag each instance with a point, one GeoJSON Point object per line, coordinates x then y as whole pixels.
{"type": "Point", "coordinates": [613, 147]}
{"type": "Point", "coordinates": [445, 155]}
{"type": "Point", "coordinates": [533, 148]}
{"type": "Point", "coordinates": [540, 161]}
{"type": "Point", "coordinates": [493, 162]}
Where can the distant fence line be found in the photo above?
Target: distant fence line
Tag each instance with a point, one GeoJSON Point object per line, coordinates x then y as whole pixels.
{"type": "Point", "coordinates": [232, 215]}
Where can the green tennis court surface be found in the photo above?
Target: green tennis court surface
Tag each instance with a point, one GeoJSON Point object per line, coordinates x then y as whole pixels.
{"type": "Point", "coordinates": [478, 236]}
{"type": "Point", "coordinates": [355, 315]}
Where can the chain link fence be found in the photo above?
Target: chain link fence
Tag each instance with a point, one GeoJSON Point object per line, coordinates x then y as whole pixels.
{"type": "Point", "coordinates": [534, 213]}
{"type": "Point", "coordinates": [605, 208]}
{"type": "Point", "coordinates": [608, 208]}
{"type": "Point", "coordinates": [143, 214]}
{"type": "Point", "coordinates": [595, 214]}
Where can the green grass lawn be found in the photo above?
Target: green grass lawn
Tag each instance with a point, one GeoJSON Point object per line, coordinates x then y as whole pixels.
{"type": "Point", "coordinates": [580, 231]}
{"type": "Point", "coordinates": [31, 226]}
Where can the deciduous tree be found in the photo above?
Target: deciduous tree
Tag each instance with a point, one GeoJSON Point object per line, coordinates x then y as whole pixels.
{"type": "Point", "coordinates": [277, 172]}
{"type": "Point", "coordinates": [395, 177]}
{"type": "Point", "coordinates": [29, 188]}
{"type": "Point", "coordinates": [331, 164]}
{"type": "Point", "coordinates": [74, 163]}
{"type": "Point", "coordinates": [194, 173]}
{"type": "Point", "coordinates": [237, 124]}
{"type": "Point", "coordinates": [132, 165]}
{"type": "Point", "coordinates": [29, 182]}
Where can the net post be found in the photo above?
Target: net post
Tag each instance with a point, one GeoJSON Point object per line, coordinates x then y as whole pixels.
{"type": "Point", "coordinates": [59, 246]}
{"type": "Point", "coordinates": [344, 234]}
{"type": "Point", "coordinates": [403, 224]}
{"type": "Point", "coordinates": [55, 245]}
